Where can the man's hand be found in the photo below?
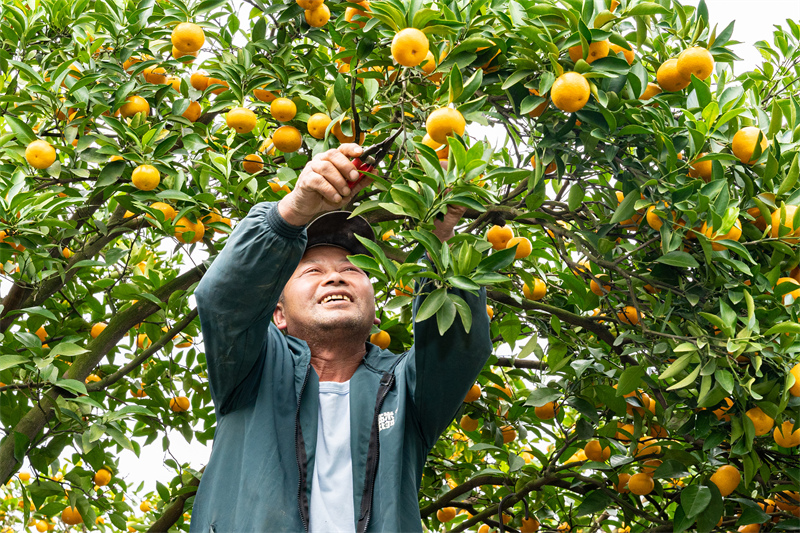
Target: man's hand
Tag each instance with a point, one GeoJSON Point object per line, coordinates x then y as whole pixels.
{"type": "Point", "coordinates": [444, 228]}
{"type": "Point", "coordinates": [325, 184]}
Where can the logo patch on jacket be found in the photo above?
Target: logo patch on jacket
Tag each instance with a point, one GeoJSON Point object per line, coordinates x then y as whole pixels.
{"type": "Point", "coordinates": [385, 420]}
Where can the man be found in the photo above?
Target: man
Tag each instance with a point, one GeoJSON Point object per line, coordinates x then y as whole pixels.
{"type": "Point", "coordinates": [318, 430]}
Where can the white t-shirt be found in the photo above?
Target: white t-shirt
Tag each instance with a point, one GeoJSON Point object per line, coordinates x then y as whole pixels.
{"type": "Point", "coordinates": [331, 505]}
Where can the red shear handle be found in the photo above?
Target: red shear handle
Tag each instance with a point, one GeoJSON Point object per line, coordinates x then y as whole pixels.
{"type": "Point", "coordinates": [362, 167]}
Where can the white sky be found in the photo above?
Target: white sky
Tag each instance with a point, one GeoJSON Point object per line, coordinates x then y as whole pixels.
{"type": "Point", "coordinates": [755, 22]}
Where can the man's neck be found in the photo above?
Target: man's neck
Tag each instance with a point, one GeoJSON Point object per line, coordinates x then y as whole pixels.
{"type": "Point", "coordinates": [337, 363]}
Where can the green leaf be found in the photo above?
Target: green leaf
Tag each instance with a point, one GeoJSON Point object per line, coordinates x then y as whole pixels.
{"type": "Point", "coordinates": [592, 503]}
{"type": "Point", "coordinates": [790, 180]}
{"type": "Point", "coordinates": [626, 207]}
{"type": "Point", "coordinates": [678, 259]}
{"type": "Point", "coordinates": [68, 349]}
{"type": "Point", "coordinates": [646, 8]}
{"type": "Point", "coordinates": [72, 385]}
{"type": "Point", "coordinates": [431, 304]}
{"type": "Point", "coordinates": [630, 380]}
{"type": "Point", "coordinates": [445, 315]}
{"type": "Point", "coordinates": [541, 396]}
{"type": "Point", "coordinates": [497, 261]}
{"type": "Point", "coordinates": [688, 380]}
{"type": "Point", "coordinates": [695, 499]}
{"type": "Point", "coordinates": [8, 361]}
{"type": "Point", "coordinates": [24, 132]}
{"type": "Point", "coordinates": [783, 327]}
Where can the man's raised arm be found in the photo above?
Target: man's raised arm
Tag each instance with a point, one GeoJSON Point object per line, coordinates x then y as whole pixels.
{"type": "Point", "coordinates": [446, 366]}
{"type": "Point", "coordinates": [238, 294]}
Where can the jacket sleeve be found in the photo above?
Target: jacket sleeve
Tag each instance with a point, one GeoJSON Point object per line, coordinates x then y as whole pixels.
{"type": "Point", "coordinates": [444, 367]}
{"type": "Point", "coordinates": [236, 298]}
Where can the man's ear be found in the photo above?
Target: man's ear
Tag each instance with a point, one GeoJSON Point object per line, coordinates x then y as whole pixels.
{"type": "Point", "coordinates": [377, 321]}
{"type": "Point", "coordinates": [279, 317]}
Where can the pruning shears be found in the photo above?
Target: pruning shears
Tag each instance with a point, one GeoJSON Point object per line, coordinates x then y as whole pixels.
{"type": "Point", "coordinates": [372, 155]}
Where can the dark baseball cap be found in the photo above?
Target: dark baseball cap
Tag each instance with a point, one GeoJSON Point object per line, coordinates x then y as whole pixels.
{"type": "Point", "coordinates": [339, 228]}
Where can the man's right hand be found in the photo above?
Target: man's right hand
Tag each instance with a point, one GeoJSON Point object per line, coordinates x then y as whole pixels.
{"type": "Point", "coordinates": [325, 184]}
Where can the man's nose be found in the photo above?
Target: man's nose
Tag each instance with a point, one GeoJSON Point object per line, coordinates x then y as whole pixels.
{"type": "Point", "coordinates": [335, 278]}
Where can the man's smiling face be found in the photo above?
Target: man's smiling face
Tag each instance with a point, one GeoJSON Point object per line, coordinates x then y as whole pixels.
{"type": "Point", "coordinates": [326, 293]}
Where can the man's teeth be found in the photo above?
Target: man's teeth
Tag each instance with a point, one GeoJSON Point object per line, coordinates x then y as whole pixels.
{"type": "Point", "coordinates": [335, 297]}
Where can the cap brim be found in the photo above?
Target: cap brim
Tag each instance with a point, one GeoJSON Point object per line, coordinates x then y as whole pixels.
{"type": "Point", "coordinates": [336, 228]}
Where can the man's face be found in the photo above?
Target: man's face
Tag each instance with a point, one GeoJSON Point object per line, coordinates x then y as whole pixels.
{"type": "Point", "coordinates": [326, 293]}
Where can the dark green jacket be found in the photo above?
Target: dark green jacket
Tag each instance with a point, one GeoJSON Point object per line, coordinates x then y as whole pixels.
{"type": "Point", "coordinates": [266, 392]}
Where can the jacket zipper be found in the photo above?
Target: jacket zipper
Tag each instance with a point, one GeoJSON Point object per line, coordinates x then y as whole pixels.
{"type": "Point", "coordinates": [298, 451]}
{"type": "Point", "coordinates": [386, 386]}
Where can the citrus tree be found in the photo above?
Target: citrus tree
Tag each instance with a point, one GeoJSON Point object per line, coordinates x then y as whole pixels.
{"type": "Point", "coordinates": [633, 214]}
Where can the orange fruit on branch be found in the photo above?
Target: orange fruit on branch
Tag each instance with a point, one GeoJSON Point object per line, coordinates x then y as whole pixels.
{"type": "Point", "coordinates": [596, 452]}
{"type": "Point", "coordinates": [629, 315]}
{"type": "Point", "coordinates": [192, 112]}
{"type": "Point", "coordinates": [133, 105]}
{"type": "Point", "coordinates": [622, 484]}
{"type": "Point", "coordinates": [795, 294]}
{"type": "Point", "coordinates": [473, 394]}
{"type": "Point", "coordinates": [468, 424]}
{"type": "Point", "coordinates": [318, 124]}
{"type": "Point", "coordinates": [538, 291]}
{"type": "Point", "coordinates": [145, 177]}
{"type": "Point", "coordinates": [409, 48]}
{"type": "Point", "coordinates": [316, 18]}
{"type": "Point", "coordinates": [184, 226]}
{"type": "Point", "coordinates": [381, 339]}
{"type": "Point", "coordinates": [547, 411]}
{"type": "Point", "coordinates": [264, 95]}
{"type": "Point", "coordinates": [650, 91]}
{"type": "Point", "coordinates": [509, 434]}
{"type": "Point", "coordinates": [539, 109]}
{"type": "Point", "coordinates": [102, 477]}
{"type": "Point", "coordinates": [499, 236]}
{"type": "Point", "coordinates": [788, 222]}
{"type": "Point", "coordinates": [71, 516]}
{"type": "Point", "coordinates": [726, 478]}
{"type": "Point", "coordinates": [695, 60]}
{"type": "Point", "coordinates": [523, 245]}
{"type": "Point", "coordinates": [629, 55]}
{"type": "Point", "coordinates": [761, 421]}
{"type": "Point", "coordinates": [744, 144]}
{"type": "Point", "coordinates": [342, 137]}
{"type": "Point", "coordinates": [597, 50]}
{"type": "Point", "coordinates": [309, 4]}
{"type": "Point", "coordinates": [199, 81]}
{"type": "Point", "coordinates": [641, 484]}
{"type": "Point", "coordinates": [287, 139]}
{"type": "Point", "coordinates": [241, 119]}
{"type": "Point", "coordinates": [444, 122]}
{"type": "Point", "coordinates": [97, 329]}
{"type": "Point", "coordinates": [351, 12]}
{"type": "Point", "coordinates": [734, 234]}
{"type": "Point", "coordinates": [179, 404]}
{"type": "Point", "coordinates": [570, 92]}
{"type": "Point", "coordinates": [155, 75]}
{"type": "Point", "coordinates": [217, 81]}
{"type": "Point", "coordinates": [177, 54]}
{"type": "Point", "coordinates": [700, 169]}
{"type": "Point", "coordinates": [669, 77]}
{"type": "Point", "coordinates": [188, 37]}
{"type": "Point", "coordinates": [784, 436]}
{"type": "Point", "coordinates": [446, 514]}
{"type": "Point", "coordinates": [40, 154]}
{"type": "Point", "coordinates": [253, 163]}
{"type": "Point", "coordinates": [167, 210]}
{"type": "Point", "coordinates": [283, 109]}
